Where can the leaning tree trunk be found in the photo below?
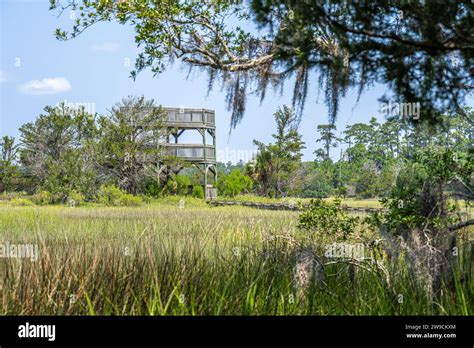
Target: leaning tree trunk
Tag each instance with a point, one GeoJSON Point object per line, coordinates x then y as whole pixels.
{"type": "Point", "coordinates": [431, 245]}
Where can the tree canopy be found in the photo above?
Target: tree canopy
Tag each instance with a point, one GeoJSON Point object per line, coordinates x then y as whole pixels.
{"type": "Point", "coordinates": [421, 50]}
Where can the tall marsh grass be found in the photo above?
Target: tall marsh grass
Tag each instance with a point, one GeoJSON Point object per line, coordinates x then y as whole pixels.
{"type": "Point", "coordinates": [196, 260]}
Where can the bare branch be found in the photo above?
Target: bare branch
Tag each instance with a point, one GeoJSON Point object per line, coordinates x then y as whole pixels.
{"type": "Point", "coordinates": [461, 225]}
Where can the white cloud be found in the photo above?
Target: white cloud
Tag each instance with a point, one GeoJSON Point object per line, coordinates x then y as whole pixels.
{"type": "Point", "coordinates": [3, 76]}
{"type": "Point", "coordinates": [46, 86]}
{"type": "Point", "coordinates": [107, 47]}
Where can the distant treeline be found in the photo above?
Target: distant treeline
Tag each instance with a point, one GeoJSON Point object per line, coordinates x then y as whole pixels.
{"type": "Point", "coordinates": [370, 156]}
{"type": "Point", "coordinates": [67, 152]}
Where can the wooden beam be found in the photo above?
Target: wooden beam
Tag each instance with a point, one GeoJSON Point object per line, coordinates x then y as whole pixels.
{"type": "Point", "coordinates": [181, 132]}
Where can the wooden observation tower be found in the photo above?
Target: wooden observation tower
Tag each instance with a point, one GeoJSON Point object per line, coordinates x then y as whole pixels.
{"type": "Point", "coordinates": [202, 155]}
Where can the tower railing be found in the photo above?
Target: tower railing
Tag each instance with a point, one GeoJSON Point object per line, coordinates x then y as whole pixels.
{"type": "Point", "coordinates": [191, 152]}
{"type": "Point", "coordinates": [191, 117]}
{"type": "Point", "coordinates": [201, 155]}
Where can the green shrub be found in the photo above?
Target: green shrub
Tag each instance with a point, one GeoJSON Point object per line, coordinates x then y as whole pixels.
{"type": "Point", "coordinates": [235, 183]}
{"type": "Point", "coordinates": [366, 183]}
{"type": "Point", "coordinates": [112, 195]}
{"type": "Point", "coordinates": [8, 196]}
{"type": "Point", "coordinates": [127, 200]}
{"type": "Point", "coordinates": [317, 189]}
{"type": "Point", "coordinates": [109, 194]}
{"type": "Point", "coordinates": [198, 191]}
{"type": "Point", "coordinates": [178, 185]}
{"type": "Point", "coordinates": [43, 198]}
{"type": "Point", "coordinates": [153, 189]}
{"type": "Point", "coordinates": [21, 202]}
{"type": "Point", "coordinates": [75, 198]}
{"type": "Point", "coordinates": [327, 218]}
{"type": "Point", "coordinates": [146, 199]}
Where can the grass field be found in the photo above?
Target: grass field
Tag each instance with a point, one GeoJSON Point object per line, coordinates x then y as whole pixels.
{"type": "Point", "coordinates": [161, 259]}
{"type": "Point", "coordinates": [350, 202]}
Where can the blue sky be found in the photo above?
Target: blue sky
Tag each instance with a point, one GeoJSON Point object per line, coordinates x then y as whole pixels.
{"type": "Point", "coordinates": [37, 70]}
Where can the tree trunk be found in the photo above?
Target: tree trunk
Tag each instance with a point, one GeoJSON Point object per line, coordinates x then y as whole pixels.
{"type": "Point", "coordinates": [472, 260]}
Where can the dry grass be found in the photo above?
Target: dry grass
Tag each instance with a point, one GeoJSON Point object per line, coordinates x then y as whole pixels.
{"type": "Point", "coordinates": [163, 260]}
